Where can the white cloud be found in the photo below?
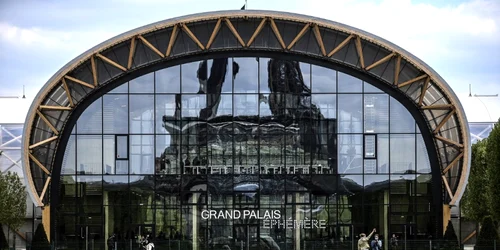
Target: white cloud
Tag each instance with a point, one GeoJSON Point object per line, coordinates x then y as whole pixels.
{"type": "Point", "coordinates": [450, 37]}
{"type": "Point", "coordinates": [415, 26]}
{"type": "Point", "coordinates": [40, 38]}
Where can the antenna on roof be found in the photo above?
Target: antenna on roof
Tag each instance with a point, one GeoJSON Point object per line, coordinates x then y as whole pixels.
{"type": "Point", "coordinates": [470, 91]}
{"type": "Point", "coordinates": [24, 92]}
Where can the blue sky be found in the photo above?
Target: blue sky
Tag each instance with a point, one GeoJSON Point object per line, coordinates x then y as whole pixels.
{"type": "Point", "coordinates": [459, 39]}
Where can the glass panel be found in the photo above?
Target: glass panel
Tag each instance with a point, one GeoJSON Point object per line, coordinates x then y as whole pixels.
{"type": "Point", "coordinates": [89, 154]}
{"type": "Point", "coordinates": [68, 165]}
{"type": "Point", "coordinates": [350, 113]}
{"type": "Point", "coordinates": [383, 153]}
{"type": "Point", "coordinates": [115, 116]}
{"type": "Point", "coordinates": [121, 147]}
{"type": "Point", "coordinates": [166, 113]}
{"type": "Point", "coordinates": [142, 84]}
{"type": "Point", "coordinates": [324, 80]}
{"type": "Point", "coordinates": [191, 73]}
{"type": "Point", "coordinates": [264, 75]}
{"type": "Point", "coordinates": [376, 113]}
{"type": "Point", "coordinates": [109, 154]}
{"type": "Point", "coordinates": [141, 154]}
{"type": "Point", "coordinates": [369, 88]}
{"type": "Point", "coordinates": [168, 80]}
{"type": "Point", "coordinates": [350, 154]}
{"type": "Point", "coordinates": [245, 74]}
{"type": "Point", "coordinates": [401, 119]}
{"type": "Point", "coordinates": [423, 163]}
{"type": "Point", "coordinates": [349, 84]}
{"type": "Point", "coordinates": [90, 122]}
{"type": "Point", "coordinates": [370, 146]}
{"type": "Point", "coordinates": [141, 114]}
{"type": "Point", "coordinates": [122, 88]}
{"type": "Point", "coordinates": [402, 153]}
{"type": "Point", "coordinates": [327, 103]}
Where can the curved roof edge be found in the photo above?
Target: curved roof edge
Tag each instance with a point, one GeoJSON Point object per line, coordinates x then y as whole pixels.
{"type": "Point", "coordinates": [249, 13]}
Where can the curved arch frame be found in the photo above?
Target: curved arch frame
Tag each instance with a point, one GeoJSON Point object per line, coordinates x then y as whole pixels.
{"type": "Point", "coordinates": [246, 31]}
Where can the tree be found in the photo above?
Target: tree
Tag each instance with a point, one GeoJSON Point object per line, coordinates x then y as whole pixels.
{"type": "Point", "coordinates": [40, 241]}
{"type": "Point", "coordinates": [493, 171]}
{"type": "Point", "coordinates": [474, 202]}
{"type": "Point", "coordinates": [450, 237]}
{"type": "Point", "coordinates": [12, 201]}
{"type": "Point", "coordinates": [487, 235]}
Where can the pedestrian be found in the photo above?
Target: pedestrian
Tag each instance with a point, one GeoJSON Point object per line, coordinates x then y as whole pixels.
{"type": "Point", "coordinates": [394, 242]}
{"type": "Point", "coordinates": [376, 243]}
{"type": "Point", "coordinates": [363, 240]}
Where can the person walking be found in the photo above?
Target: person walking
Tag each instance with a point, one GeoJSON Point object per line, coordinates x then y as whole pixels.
{"type": "Point", "coordinates": [394, 242]}
{"type": "Point", "coordinates": [376, 243]}
{"type": "Point", "coordinates": [363, 240]}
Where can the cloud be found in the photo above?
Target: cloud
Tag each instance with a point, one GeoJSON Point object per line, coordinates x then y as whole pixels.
{"type": "Point", "coordinates": [458, 40]}
{"type": "Point", "coordinates": [415, 26]}
{"type": "Point", "coordinates": [41, 38]}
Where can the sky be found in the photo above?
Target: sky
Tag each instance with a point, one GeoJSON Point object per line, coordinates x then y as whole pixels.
{"type": "Point", "coordinates": [460, 39]}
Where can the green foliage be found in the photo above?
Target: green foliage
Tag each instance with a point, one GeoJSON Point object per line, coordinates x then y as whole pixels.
{"type": "Point", "coordinates": [487, 235]}
{"type": "Point", "coordinates": [493, 171]}
{"type": "Point", "coordinates": [450, 237]}
{"type": "Point", "coordinates": [474, 202]}
{"type": "Point", "coordinates": [12, 201]}
{"type": "Point", "coordinates": [40, 241]}
{"type": "Point", "coordinates": [3, 240]}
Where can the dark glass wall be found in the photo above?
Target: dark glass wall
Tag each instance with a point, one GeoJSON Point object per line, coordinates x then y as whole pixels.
{"type": "Point", "coordinates": [243, 133]}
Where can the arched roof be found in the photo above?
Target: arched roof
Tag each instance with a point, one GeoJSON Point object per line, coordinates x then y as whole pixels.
{"type": "Point", "coordinates": [245, 30]}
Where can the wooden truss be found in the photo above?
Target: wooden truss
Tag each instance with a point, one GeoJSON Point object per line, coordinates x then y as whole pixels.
{"type": "Point", "coordinates": [395, 56]}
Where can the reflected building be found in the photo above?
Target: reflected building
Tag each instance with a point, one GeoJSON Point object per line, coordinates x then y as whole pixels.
{"type": "Point", "coordinates": [245, 129]}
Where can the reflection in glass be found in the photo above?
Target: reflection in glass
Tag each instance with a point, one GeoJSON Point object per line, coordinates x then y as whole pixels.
{"type": "Point", "coordinates": [287, 138]}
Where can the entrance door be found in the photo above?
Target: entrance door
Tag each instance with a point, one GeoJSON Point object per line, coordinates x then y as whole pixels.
{"type": "Point", "coordinates": [90, 237]}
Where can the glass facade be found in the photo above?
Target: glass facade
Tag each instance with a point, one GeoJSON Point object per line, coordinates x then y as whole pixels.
{"type": "Point", "coordinates": [229, 134]}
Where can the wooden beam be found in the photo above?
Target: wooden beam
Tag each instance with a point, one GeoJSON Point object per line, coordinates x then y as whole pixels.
{"type": "Point", "coordinates": [153, 48]}
{"type": "Point", "coordinates": [448, 141]}
{"type": "Point", "coordinates": [359, 49]}
{"type": "Point", "coordinates": [42, 142]}
{"type": "Point", "coordinates": [68, 94]}
{"type": "Point", "coordinates": [192, 36]}
{"type": "Point", "coordinates": [469, 236]}
{"type": "Point", "coordinates": [319, 39]}
{"type": "Point", "coordinates": [277, 33]}
{"type": "Point", "coordinates": [396, 70]}
{"type": "Point", "coordinates": [131, 53]}
{"type": "Point", "coordinates": [418, 78]}
{"type": "Point", "coordinates": [214, 33]}
{"type": "Point", "coordinates": [447, 186]}
{"type": "Point", "coordinates": [234, 31]}
{"type": "Point", "coordinates": [424, 90]}
{"type": "Point", "coordinates": [47, 122]}
{"type": "Point", "coordinates": [383, 60]}
{"type": "Point", "coordinates": [298, 36]}
{"type": "Point", "coordinates": [35, 160]}
{"type": "Point", "coordinates": [45, 188]}
{"type": "Point", "coordinates": [438, 106]}
{"type": "Point", "coordinates": [441, 124]}
{"type": "Point", "coordinates": [94, 70]}
{"type": "Point", "coordinates": [341, 45]}
{"type": "Point", "coordinates": [63, 108]}
{"type": "Point", "coordinates": [111, 62]}
{"type": "Point", "coordinates": [175, 31]}
{"type": "Point", "coordinates": [453, 162]}
{"type": "Point", "coordinates": [79, 81]}
{"type": "Point", "coordinates": [257, 31]}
